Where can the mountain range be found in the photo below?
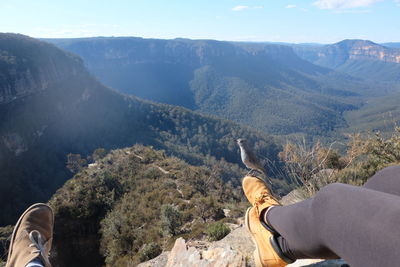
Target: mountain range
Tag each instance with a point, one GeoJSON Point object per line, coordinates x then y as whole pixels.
{"type": "Point", "coordinates": [275, 88]}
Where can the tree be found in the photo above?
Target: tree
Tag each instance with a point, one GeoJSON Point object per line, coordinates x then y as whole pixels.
{"type": "Point", "coordinates": [171, 219]}
{"type": "Point", "coordinates": [99, 154]}
{"type": "Point", "coordinates": [208, 208]}
{"type": "Point", "coordinates": [75, 162]}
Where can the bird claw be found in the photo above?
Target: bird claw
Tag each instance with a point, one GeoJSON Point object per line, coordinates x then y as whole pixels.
{"type": "Point", "coordinates": [252, 173]}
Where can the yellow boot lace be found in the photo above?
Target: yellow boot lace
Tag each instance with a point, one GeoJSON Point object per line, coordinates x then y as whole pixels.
{"type": "Point", "coordinates": [262, 198]}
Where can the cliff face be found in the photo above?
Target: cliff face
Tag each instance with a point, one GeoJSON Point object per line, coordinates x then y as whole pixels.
{"type": "Point", "coordinates": [19, 74]}
{"type": "Point", "coordinates": [98, 52]}
{"type": "Point", "coordinates": [359, 58]}
{"type": "Point", "coordinates": [358, 50]}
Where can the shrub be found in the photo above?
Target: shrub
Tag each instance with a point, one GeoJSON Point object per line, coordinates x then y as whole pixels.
{"type": "Point", "coordinates": [217, 231]}
{"type": "Point", "coordinates": [75, 162]}
{"type": "Point", "coordinates": [208, 208]}
{"type": "Point", "coordinates": [149, 251]}
{"type": "Point", "coordinates": [99, 154]}
{"type": "Point", "coordinates": [171, 219]}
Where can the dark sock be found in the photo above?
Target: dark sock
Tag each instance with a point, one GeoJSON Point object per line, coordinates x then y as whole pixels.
{"type": "Point", "coordinates": [265, 223]}
{"type": "Point", "coordinates": [281, 242]}
{"type": "Point", "coordinates": [291, 254]}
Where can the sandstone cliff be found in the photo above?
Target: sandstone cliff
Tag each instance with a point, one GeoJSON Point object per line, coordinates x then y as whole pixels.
{"type": "Point", "coordinates": [19, 61]}
{"type": "Point", "coordinates": [360, 50]}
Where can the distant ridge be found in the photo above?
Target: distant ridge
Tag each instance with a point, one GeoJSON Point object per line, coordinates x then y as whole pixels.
{"type": "Point", "coordinates": [360, 58]}
{"type": "Point", "coordinates": [393, 45]}
{"type": "Point", "coordinates": [266, 86]}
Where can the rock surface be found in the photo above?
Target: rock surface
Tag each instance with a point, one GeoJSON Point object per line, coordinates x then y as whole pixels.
{"type": "Point", "coordinates": [236, 249]}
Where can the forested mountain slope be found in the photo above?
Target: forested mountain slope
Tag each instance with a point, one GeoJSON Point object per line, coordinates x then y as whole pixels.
{"type": "Point", "coordinates": [266, 86]}
{"type": "Point", "coordinates": [380, 114]}
{"type": "Point", "coordinates": [29, 65]}
{"type": "Point", "coordinates": [67, 111]}
{"type": "Point", "coordinates": [378, 64]}
{"type": "Point", "coordinates": [133, 203]}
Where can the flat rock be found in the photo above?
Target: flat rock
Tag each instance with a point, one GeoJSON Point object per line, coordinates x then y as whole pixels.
{"type": "Point", "coordinates": [159, 261]}
{"type": "Point", "coordinates": [182, 255]}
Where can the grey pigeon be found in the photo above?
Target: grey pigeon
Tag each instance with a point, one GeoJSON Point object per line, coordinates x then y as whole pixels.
{"type": "Point", "coordinates": [249, 158]}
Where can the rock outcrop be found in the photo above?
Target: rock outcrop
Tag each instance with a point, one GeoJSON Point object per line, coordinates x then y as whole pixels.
{"type": "Point", "coordinates": [236, 249]}
{"type": "Point", "coordinates": [361, 50]}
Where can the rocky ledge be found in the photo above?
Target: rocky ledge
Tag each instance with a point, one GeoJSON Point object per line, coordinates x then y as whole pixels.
{"type": "Point", "coordinates": [236, 249]}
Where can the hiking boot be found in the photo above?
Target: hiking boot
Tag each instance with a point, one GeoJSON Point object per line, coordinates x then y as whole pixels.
{"type": "Point", "coordinates": [258, 194]}
{"type": "Point", "coordinates": [267, 251]}
{"type": "Point", "coordinates": [32, 237]}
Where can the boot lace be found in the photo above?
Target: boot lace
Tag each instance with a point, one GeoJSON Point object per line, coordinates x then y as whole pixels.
{"type": "Point", "coordinates": [263, 197]}
{"type": "Point", "coordinates": [40, 245]}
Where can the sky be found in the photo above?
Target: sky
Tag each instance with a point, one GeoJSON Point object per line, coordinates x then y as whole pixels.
{"type": "Point", "coordinates": [296, 21]}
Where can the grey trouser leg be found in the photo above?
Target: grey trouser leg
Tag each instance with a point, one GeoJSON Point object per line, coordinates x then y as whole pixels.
{"type": "Point", "coordinates": [359, 224]}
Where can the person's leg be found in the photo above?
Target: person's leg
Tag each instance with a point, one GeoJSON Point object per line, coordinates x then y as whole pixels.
{"type": "Point", "coordinates": [386, 180]}
{"type": "Point", "coordinates": [358, 224]}
{"type": "Point", "coordinates": [31, 238]}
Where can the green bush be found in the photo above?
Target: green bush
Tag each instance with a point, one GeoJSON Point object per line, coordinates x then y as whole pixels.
{"type": "Point", "coordinates": [171, 219]}
{"type": "Point", "coordinates": [99, 154]}
{"type": "Point", "coordinates": [149, 251]}
{"type": "Point", "coordinates": [217, 231]}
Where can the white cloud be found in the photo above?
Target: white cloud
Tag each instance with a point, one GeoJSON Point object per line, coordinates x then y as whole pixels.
{"type": "Point", "coordinates": [240, 8]}
{"type": "Point", "coordinates": [344, 4]}
{"type": "Point", "coordinates": [352, 11]}
{"type": "Point", "coordinates": [290, 6]}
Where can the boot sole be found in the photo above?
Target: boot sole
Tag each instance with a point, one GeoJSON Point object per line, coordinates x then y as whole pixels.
{"type": "Point", "coordinates": [17, 225]}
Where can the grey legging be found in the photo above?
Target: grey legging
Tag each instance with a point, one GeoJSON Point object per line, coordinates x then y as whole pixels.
{"type": "Point", "coordinates": [358, 224]}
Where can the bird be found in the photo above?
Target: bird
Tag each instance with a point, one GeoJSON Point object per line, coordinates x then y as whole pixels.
{"type": "Point", "coordinates": [249, 158]}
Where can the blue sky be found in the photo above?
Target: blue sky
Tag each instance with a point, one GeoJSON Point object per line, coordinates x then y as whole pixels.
{"type": "Point", "coordinates": [323, 21]}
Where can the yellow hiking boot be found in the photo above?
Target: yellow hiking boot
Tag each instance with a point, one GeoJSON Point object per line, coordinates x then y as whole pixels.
{"type": "Point", "coordinates": [267, 251]}
{"type": "Point", "coordinates": [32, 237]}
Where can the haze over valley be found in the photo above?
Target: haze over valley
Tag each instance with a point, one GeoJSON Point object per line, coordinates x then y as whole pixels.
{"type": "Point", "coordinates": [277, 88]}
